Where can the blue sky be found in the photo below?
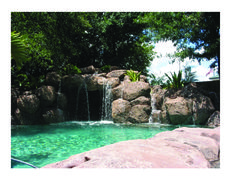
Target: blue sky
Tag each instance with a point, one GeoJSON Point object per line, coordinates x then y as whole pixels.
{"type": "Point", "coordinates": [162, 65]}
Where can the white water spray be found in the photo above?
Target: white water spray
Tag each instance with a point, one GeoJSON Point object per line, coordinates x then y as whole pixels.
{"type": "Point", "coordinates": [155, 112]}
{"type": "Point", "coordinates": [107, 102]}
{"type": "Point", "coordinates": [87, 100]}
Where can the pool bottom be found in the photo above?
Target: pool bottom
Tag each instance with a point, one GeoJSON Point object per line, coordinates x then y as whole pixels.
{"type": "Point", "coordinates": [42, 145]}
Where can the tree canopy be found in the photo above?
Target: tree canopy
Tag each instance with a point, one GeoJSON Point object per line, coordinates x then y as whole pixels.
{"type": "Point", "coordinates": [190, 31]}
{"type": "Point", "coordinates": [66, 41]}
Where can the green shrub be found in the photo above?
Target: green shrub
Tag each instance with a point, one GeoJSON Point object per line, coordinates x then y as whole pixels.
{"type": "Point", "coordinates": [106, 68]}
{"type": "Point", "coordinates": [71, 69]}
{"type": "Point", "coordinates": [134, 77]}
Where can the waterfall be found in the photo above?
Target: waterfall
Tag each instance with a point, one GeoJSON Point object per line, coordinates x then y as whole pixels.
{"type": "Point", "coordinates": [84, 86]}
{"type": "Point", "coordinates": [153, 100]}
{"type": "Point", "coordinates": [60, 112]}
{"type": "Point", "coordinates": [58, 94]}
{"type": "Point", "coordinates": [155, 112]}
{"type": "Point", "coordinates": [122, 90]}
{"type": "Point", "coordinates": [87, 100]}
{"type": "Point", "coordinates": [77, 101]}
{"type": "Point", "coordinates": [107, 102]}
{"type": "Point", "coordinates": [194, 106]}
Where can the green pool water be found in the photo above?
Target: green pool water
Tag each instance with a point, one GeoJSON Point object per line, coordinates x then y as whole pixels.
{"type": "Point", "coordinates": [42, 145]}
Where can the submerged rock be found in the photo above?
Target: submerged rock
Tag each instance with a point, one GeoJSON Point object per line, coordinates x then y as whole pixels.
{"type": "Point", "coordinates": [53, 116]}
{"type": "Point", "coordinates": [180, 148]}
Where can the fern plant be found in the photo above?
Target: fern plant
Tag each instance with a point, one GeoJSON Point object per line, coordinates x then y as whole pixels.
{"type": "Point", "coordinates": [133, 76]}
{"type": "Point", "coordinates": [18, 49]}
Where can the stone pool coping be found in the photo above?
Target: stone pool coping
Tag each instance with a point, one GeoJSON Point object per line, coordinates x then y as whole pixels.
{"type": "Point", "coordinates": [181, 148]}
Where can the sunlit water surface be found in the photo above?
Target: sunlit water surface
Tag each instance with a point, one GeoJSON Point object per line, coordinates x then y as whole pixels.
{"type": "Point", "coordinates": [42, 145]}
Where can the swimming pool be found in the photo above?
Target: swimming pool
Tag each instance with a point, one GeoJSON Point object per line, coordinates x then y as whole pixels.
{"type": "Point", "coordinates": [45, 144]}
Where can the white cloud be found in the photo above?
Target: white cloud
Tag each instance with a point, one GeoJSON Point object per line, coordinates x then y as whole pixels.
{"type": "Point", "coordinates": [165, 47]}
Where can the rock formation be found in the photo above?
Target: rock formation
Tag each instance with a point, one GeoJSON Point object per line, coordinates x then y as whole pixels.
{"type": "Point", "coordinates": [189, 105]}
{"type": "Point", "coordinates": [74, 97]}
{"type": "Point", "coordinates": [65, 98]}
{"type": "Point", "coordinates": [180, 148]}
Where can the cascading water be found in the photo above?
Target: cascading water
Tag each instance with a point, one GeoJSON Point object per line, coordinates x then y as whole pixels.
{"type": "Point", "coordinates": [79, 92]}
{"type": "Point", "coordinates": [155, 112]}
{"type": "Point", "coordinates": [77, 101]}
{"type": "Point", "coordinates": [60, 112]}
{"type": "Point", "coordinates": [106, 102]}
{"type": "Point", "coordinates": [87, 100]}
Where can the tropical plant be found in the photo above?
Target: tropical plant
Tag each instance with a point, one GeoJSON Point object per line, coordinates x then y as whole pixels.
{"type": "Point", "coordinates": [133, 76]}
{"type": "Point", "coordinates": [156, 80]}
{"type": "Point", "coordinates": [18, 49]}
{"type": "Point", "coordinates": [189, 76]}
{"type": "Point", "coordinates": [175, 80]}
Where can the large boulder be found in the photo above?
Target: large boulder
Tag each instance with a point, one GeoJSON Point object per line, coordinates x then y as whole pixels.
{"type": "Point", "coordinates": [47, 95]}
{"type": "Point", "coordinates": [214, 120]}
{"type": "Point", "coordinates": [72, 81]}
{"type": "Point", "coordinates": [131, 90]}
{"type": "Point", "coordinates": [139, 114]}
{"type": "Point", "coordinates": [113, 82]}
{"type": "Point", "coordinates": [118, 91]}
{"type": "Point", "coordinates": [28, 103]}
{"type": "Point", "coordinates": [188, 105]}
{"type": "Point", "coordinates": [53, 79]}
{"type": "Point", "coordinates": [120, 110]}
{"type": "Point", "coordinates": [141, 101]}
{"type": "Point", "coordinates": [88, 70]}
{"type": "Point", "coordinates": [116, 73]}
{"type": "Point", "coordinates": [202, 109]}
{"type": "Point", "coordinates": [180, 148]}
{"type": "Point", "coordinates": [179, 110]}
{"type": "Point", "coordinates": [95, 82]}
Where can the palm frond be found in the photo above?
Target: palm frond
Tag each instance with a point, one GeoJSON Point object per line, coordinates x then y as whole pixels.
{"type": "Point", "coordinates": [18, 49]}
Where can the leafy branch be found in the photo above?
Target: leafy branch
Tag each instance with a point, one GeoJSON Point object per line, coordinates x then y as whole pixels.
{"type": "Point", "coordinates": [18, 49]}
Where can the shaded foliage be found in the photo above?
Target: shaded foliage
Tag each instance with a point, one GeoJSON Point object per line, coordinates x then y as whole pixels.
{"type": "Point", "coordinates": [66, 41]}
{"type": "Point", "coordinates": [18, 50]}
